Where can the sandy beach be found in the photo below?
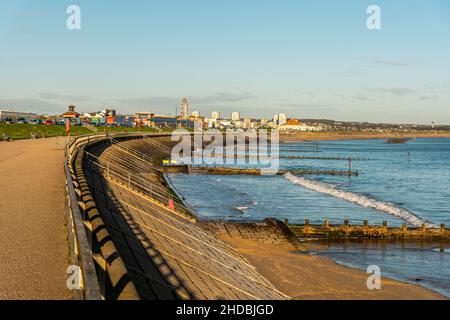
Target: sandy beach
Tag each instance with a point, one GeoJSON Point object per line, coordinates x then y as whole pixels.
{"type": "Point", "coordinates": [305, 276]}
{"type": "Point", "coordinates": [323, 136]}
{"type": "Point", "coordinates": [33, 237]}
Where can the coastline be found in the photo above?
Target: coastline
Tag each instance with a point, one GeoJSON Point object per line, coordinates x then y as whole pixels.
{"type": "Point", "coordinates": [332, 136]}
{"type": "Point", "coordinates": [311, 277]}
{"type": "Point", "coordinates": [314, 277]}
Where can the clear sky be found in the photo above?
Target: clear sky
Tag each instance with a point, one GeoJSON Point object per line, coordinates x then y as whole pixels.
{"type": "Point", "coordinates": [307, 58]}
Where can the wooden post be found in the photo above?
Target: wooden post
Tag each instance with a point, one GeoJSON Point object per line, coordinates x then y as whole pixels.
{"type": "Point", "coordinates": [443, 228]}
{"type": "Point", "coordinates": [346, 223]}
{"type": "Point", "coordinates": [424, 227]}
{"type": "Point", "coordinates": [385, 224]}
{"type": "Point", "coordinates": [349, 166]}
{"type": "Point", "coordinates": [366, 223]}
{"type": "Point", "coordinates": [327, 223]}
{"type": "Point", "coordinates": [404, 227]}
{"type": "Point", "coordinates": [286, 222]}
{"type": "Point", "coordinates": [306, 222]}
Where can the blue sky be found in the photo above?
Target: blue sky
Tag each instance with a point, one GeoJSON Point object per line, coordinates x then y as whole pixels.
{"type": "Point", "coordinates": [307, 58]}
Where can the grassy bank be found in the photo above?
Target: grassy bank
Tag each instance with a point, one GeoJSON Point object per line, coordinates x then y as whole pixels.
{"type": "Point", "coordinates": [25, 131]}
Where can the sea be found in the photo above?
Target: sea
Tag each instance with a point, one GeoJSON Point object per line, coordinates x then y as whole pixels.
{"type": "Point", "coordinates": [398, 183]}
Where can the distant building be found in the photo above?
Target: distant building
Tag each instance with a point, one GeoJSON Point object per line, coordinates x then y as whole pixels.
{"type": "Point", "coordinates": [15, 115]}
{"type": "Point", "coordinates": [235, 116]}
{"type": "Point", "coordinates": [184, 109]}
{"type": "Point", "coordinates": [282, 119]}
{"type": "Point", "coordinates": [109, 112]}
{"type": "Point", "coordinates": [247, 123]}
{"type": "Point", "coordinates": [144, 119]}
{"type": "Point", "coordinates": [296, 125]}
{"type": "Point", "coordinates": [275, 119]}
{"type": "Point", "coordinates": [196, 114]}
{"type": "Point", "coordinates": [215, 115]}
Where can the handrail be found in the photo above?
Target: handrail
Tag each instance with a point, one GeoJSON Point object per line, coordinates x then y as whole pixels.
{"type": "Point", "coordinates": [130, 179]}
{"type": "Point", "coordinates": [132, 182]}
{"type": "Point", "coordinates": [136, 153]}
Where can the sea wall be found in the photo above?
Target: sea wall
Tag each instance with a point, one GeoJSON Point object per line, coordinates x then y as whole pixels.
{"type": "Point", "coordinates": [145, 243]}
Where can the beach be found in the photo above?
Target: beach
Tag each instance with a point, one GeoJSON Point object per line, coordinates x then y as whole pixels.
{"type": "Point", "coordinates": [309, 277]}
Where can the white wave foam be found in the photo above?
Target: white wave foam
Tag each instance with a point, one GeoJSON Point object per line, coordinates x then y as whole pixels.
{"type": "Point", "coordinates": [359, 199]}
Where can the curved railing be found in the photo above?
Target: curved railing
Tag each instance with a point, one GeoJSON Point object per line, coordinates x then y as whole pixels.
{"type": "Point", "coordinates": [92, 251]}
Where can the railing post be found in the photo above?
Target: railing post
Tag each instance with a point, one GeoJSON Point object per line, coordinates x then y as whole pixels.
{"type": "Point", "coordinates": [129, 180]}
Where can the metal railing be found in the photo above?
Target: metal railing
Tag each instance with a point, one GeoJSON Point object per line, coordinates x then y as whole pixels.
{"type": "Point", "coordinates": [140, 184]}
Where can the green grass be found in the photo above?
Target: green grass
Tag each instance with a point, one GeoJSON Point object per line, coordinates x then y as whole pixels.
{"type": "Point", "coordinates": [24, 131]}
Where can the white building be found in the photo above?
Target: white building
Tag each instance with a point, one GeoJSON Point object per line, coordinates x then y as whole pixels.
{"type": "Point", "coordinates": [184, 109]}
{"type": "Point", "coordinates": [275, 119]}
{"type": "Point", "coordinates": [195, 114]}
{"type": "Point", "coordinates": [247, 123]}
{"type": "Point", "coordinates": [296, 125]}
{"type": "Point", "coordinates": [282, 119]}
{"type": "Point", "coordinates": [235, 116]}
{"type": "Point", "coordinates": [215, 115]}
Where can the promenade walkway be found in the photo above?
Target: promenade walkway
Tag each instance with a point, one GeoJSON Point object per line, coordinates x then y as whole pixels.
{"type": "Point", "coordinates": [33, 245]}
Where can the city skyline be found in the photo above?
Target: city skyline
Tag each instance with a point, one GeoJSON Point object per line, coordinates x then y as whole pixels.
{"type": "Point", "coordinates": [305, 59]}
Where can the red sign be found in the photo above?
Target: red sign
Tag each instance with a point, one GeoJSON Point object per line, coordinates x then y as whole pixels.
{"type": "Point", "coordinates": [171, 204]}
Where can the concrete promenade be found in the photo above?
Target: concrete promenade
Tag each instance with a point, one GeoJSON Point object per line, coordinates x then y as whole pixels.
{"type": "Point", "coordinates": [33, 238]}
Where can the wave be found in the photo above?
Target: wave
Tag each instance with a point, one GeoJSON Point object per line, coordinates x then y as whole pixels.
{"type": "Point", "coordinates": [359, 199]}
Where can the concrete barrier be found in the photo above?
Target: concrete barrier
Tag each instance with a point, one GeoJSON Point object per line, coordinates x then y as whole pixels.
{"type": "Point", "coordinates": [104, 274]}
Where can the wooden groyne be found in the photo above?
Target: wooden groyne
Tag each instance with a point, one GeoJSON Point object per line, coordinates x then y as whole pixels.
{"type": "Point", "coordinates": [323, 158]}
{"type": "Point", "coordinates": [300, 150]}
{"type": "Point", "coordinates": [365, 231]}
{"type": "Point", "coordinates": [258, 172]}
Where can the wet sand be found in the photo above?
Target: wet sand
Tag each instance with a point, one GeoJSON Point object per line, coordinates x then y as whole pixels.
{"type": "Point", "coordinates": [304, 276]}
{"type": "Point", "coordinates": [33, 238]}
{"type": "Point", "coordinates": [323, 136]}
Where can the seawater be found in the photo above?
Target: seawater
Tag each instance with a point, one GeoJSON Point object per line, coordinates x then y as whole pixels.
{"type": "Point", "coordinates": [399, 183]}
